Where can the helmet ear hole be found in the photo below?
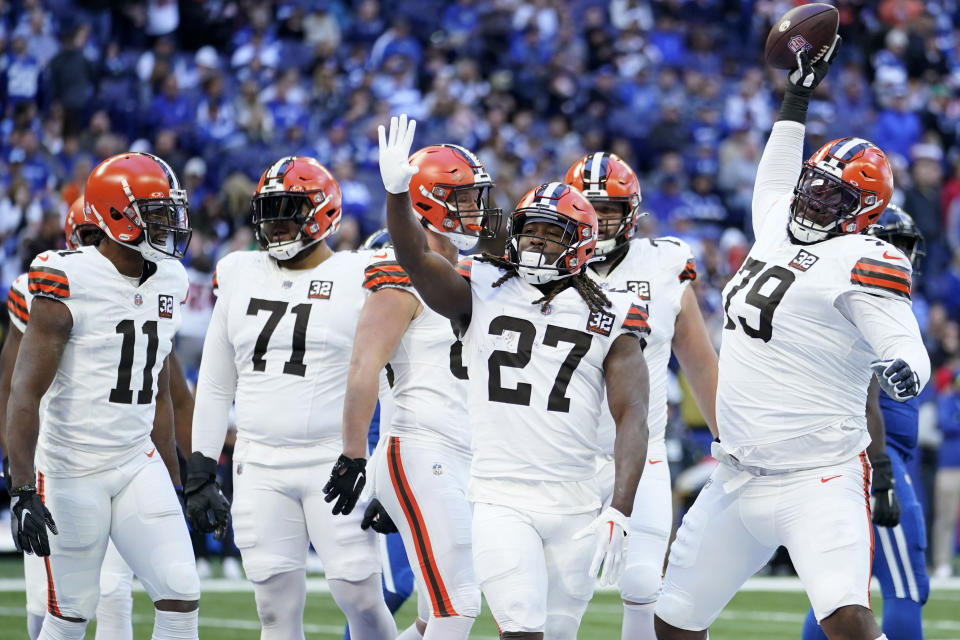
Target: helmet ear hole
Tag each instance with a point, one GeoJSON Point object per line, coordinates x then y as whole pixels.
{"type": "Point", "coordinates": [116, 215]}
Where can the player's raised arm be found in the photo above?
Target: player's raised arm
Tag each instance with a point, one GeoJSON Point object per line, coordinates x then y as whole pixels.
{"type": "Point", "coordinates": [39, 356]}
{"type": "Point", "coordinates": [385, 316]}
{"type": "Point", "coordinates": [782, 157]}
{"type": "Point", "coordinates": [438, 282]}
{"type": "Point", "coordinates": [163, 425]}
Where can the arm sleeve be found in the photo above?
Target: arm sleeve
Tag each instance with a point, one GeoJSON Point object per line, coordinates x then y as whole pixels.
{"type": "Point", "coordinates": [18, 304]}
{"type": "Point", "coordinates": [216, 386]}
{"type": "Point", "coordinates": [385, 272]}
{"type": "Point", "coordinates": [889, 327]}
{"type": "Point", "coordinates": [779, 168]}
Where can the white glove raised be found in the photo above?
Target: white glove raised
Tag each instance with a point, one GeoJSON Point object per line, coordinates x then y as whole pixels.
{"type": "Point", "coordinates": [395, 168]}
{"type": "Point", "coordinates": [610, 536]}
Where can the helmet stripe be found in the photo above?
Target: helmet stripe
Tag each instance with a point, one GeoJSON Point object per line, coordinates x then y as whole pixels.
{"type": "Point", "coordinates": [279, 168]}
{"type": "Point", "coordinates": [171, 176]}
{"type": "Point", "coordinates": [471, 159]}
{"type": "Point", "coordinates": [596, 166]}
{"type": "Point", "coordinates": [549, 192]}
{"type": "Point", "coordinates": [848, 148]}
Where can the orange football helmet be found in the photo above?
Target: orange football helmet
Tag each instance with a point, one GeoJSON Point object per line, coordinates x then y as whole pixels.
{"type": "Point", "coordinates": [451, 194]}
{"type": "Point", "coordinates": [561, 205]}
{"type": "Point", "coordinates": [81, 228]}
{"type": "Point", "coordinates": [138, 202]}
{"type": "Point", "coordinates": [300, 189]}
{"type": "Point", "coordinates": [843, 188]}
{"type": "Point", "coordinates": [605, 177]}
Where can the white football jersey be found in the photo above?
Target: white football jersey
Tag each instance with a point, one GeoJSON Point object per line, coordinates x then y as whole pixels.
{"type": "Point", "coordinates": [287, 335]}
{"type": "Point", "coordinates": [18, 302]}
{"type": "Point", "coordinates": [536, 379]}
{"type": "Point", "coordinates": [100, 407]}
{"type": "Point", "coordinates": [426, 372]}
{"type": "Point", "coordinates": [793, 370]}
{"type": "Point", "coordinates": [657, 270]}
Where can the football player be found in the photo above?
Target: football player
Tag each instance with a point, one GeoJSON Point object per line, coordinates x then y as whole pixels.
{"type": "Point", "coordinates": [659, 271]}
{"type": "Point", "coordinates": [397, 574]}
{"type": "Point", "coordinates": [101, 325]}
{"type": "Point", "coordinates": [421, 477]}
{"type": "Point", "coordinates": [899, 563]}
{"type": "Point", "coordinates": [279, 344]}
{"type": "Point", "coordinates": [541, 342]}
{"type": "Point", "coordinates": [115, 607]}
{"type": "Point", "coordinates": [814, 312]}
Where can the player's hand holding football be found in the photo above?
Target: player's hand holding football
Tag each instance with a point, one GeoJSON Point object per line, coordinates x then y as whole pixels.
{"type": "Point", "coordinates": [377, 517]}
{"type": "Point", "coordinates": [805, 78]}
{"type": "Point", "coordinates": [395, 168]}
{"type": "Point", "coordinates": [347, 479]}
{"type": "Point", "coordinates": [886, 507]}
{"type": "Point", "coordinates": [207, 508]}
{"type": "Point", "coordinates": [29, 520]}
{"type": "Point", "coordinates": [610, 537]}
{"type": "Point", "coordinates": [897, 378]}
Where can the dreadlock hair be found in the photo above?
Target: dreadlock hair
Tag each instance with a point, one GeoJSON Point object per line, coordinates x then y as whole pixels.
{"type": "Point", "coordinates": [589, 290]}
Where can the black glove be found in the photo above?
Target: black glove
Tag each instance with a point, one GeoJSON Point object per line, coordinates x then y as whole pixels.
{"type": "Point", "coordinates": [29, 519]}
{"type": "Point", "coordinates": [345, 484]}
{"type": "Point", "coordinates": [803, 80]}
{"type": "Point", "coordinates": [886, 507]}
{"type": "Point", "coordinates": [376, 516]}
{"type": "Point", "coordinates": [897, 378]}
{"type": "Point", "coordinates": [207, 508]}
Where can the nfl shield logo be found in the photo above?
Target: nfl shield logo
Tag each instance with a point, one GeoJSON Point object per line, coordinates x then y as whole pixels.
{"type": "Point", "coordinates": [287, 284]}
{"type": "Point", "coordinates": [137, 299]}
{"type": "Point", "coordinates": [437, 469]}
{"type": "Point", "coordinates": [546, 309]}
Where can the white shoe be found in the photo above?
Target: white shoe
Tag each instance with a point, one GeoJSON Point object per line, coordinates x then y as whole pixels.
{"type": "Point", "coordinates": [231, 568]}
{"type": "Point", "coordinates": [203, 568]}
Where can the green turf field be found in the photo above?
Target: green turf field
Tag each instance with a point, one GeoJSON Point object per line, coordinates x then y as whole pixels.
{"type": "Point", "coordinates": [751, 616]}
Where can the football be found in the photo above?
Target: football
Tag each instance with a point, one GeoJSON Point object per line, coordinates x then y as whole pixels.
{"type": "Point", "coordinates": [809, 27]}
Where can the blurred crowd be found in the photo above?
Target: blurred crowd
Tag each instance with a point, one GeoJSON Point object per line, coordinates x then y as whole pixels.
{"type": "Point", "coordinates": [677, 88]}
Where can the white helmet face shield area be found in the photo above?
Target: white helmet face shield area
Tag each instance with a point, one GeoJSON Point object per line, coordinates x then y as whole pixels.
{"type": "Point", "coordinates": [166, 226]}
{"type": "Point", "coordinates": [822, 202]}
{"type": "Point", "coordinates": [284, 212]}
{"type": "Point", "coordinates": [470, 212]}
{"type": "Point", "coordinates": [539, 252]}
{"type": "Point", "coordinates": [614, 220]}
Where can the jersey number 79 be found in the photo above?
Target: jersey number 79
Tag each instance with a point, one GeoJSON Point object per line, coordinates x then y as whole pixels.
{"type": "Point", "coordinates": [766, 302]}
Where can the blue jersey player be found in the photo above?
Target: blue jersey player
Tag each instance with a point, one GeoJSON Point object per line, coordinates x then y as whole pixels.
{"type": "Point", "coordinates": [899, 531]}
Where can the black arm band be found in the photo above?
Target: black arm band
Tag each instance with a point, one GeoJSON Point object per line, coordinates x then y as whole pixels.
{"type": "Point", "coordinates": [794, 107]}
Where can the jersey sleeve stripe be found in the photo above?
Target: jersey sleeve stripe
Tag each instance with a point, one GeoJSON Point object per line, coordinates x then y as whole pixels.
{"type": "Point", "coordinates": [689, 272]}
{"type": "Point", "coordinates": [48, 284]}
{"type": "Point", "coordinates": [870, 263]}
{"type": "Point", "coordinates": [216, 285]}
{"type": "Point", "coordinates": [882, 275]}
{"type": "Point", "coordinates": [888, 270]}
{"type": "Point", "coordinates": [464, 267]}
{"type": "Point", "coordinates": [17, 306]}
{"type": "Point", "coordinates": [637, 319]}
{"type": "Point", "coordinates": [375, 283]}
{"type": "Point", "coordinates": [897, 287]}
